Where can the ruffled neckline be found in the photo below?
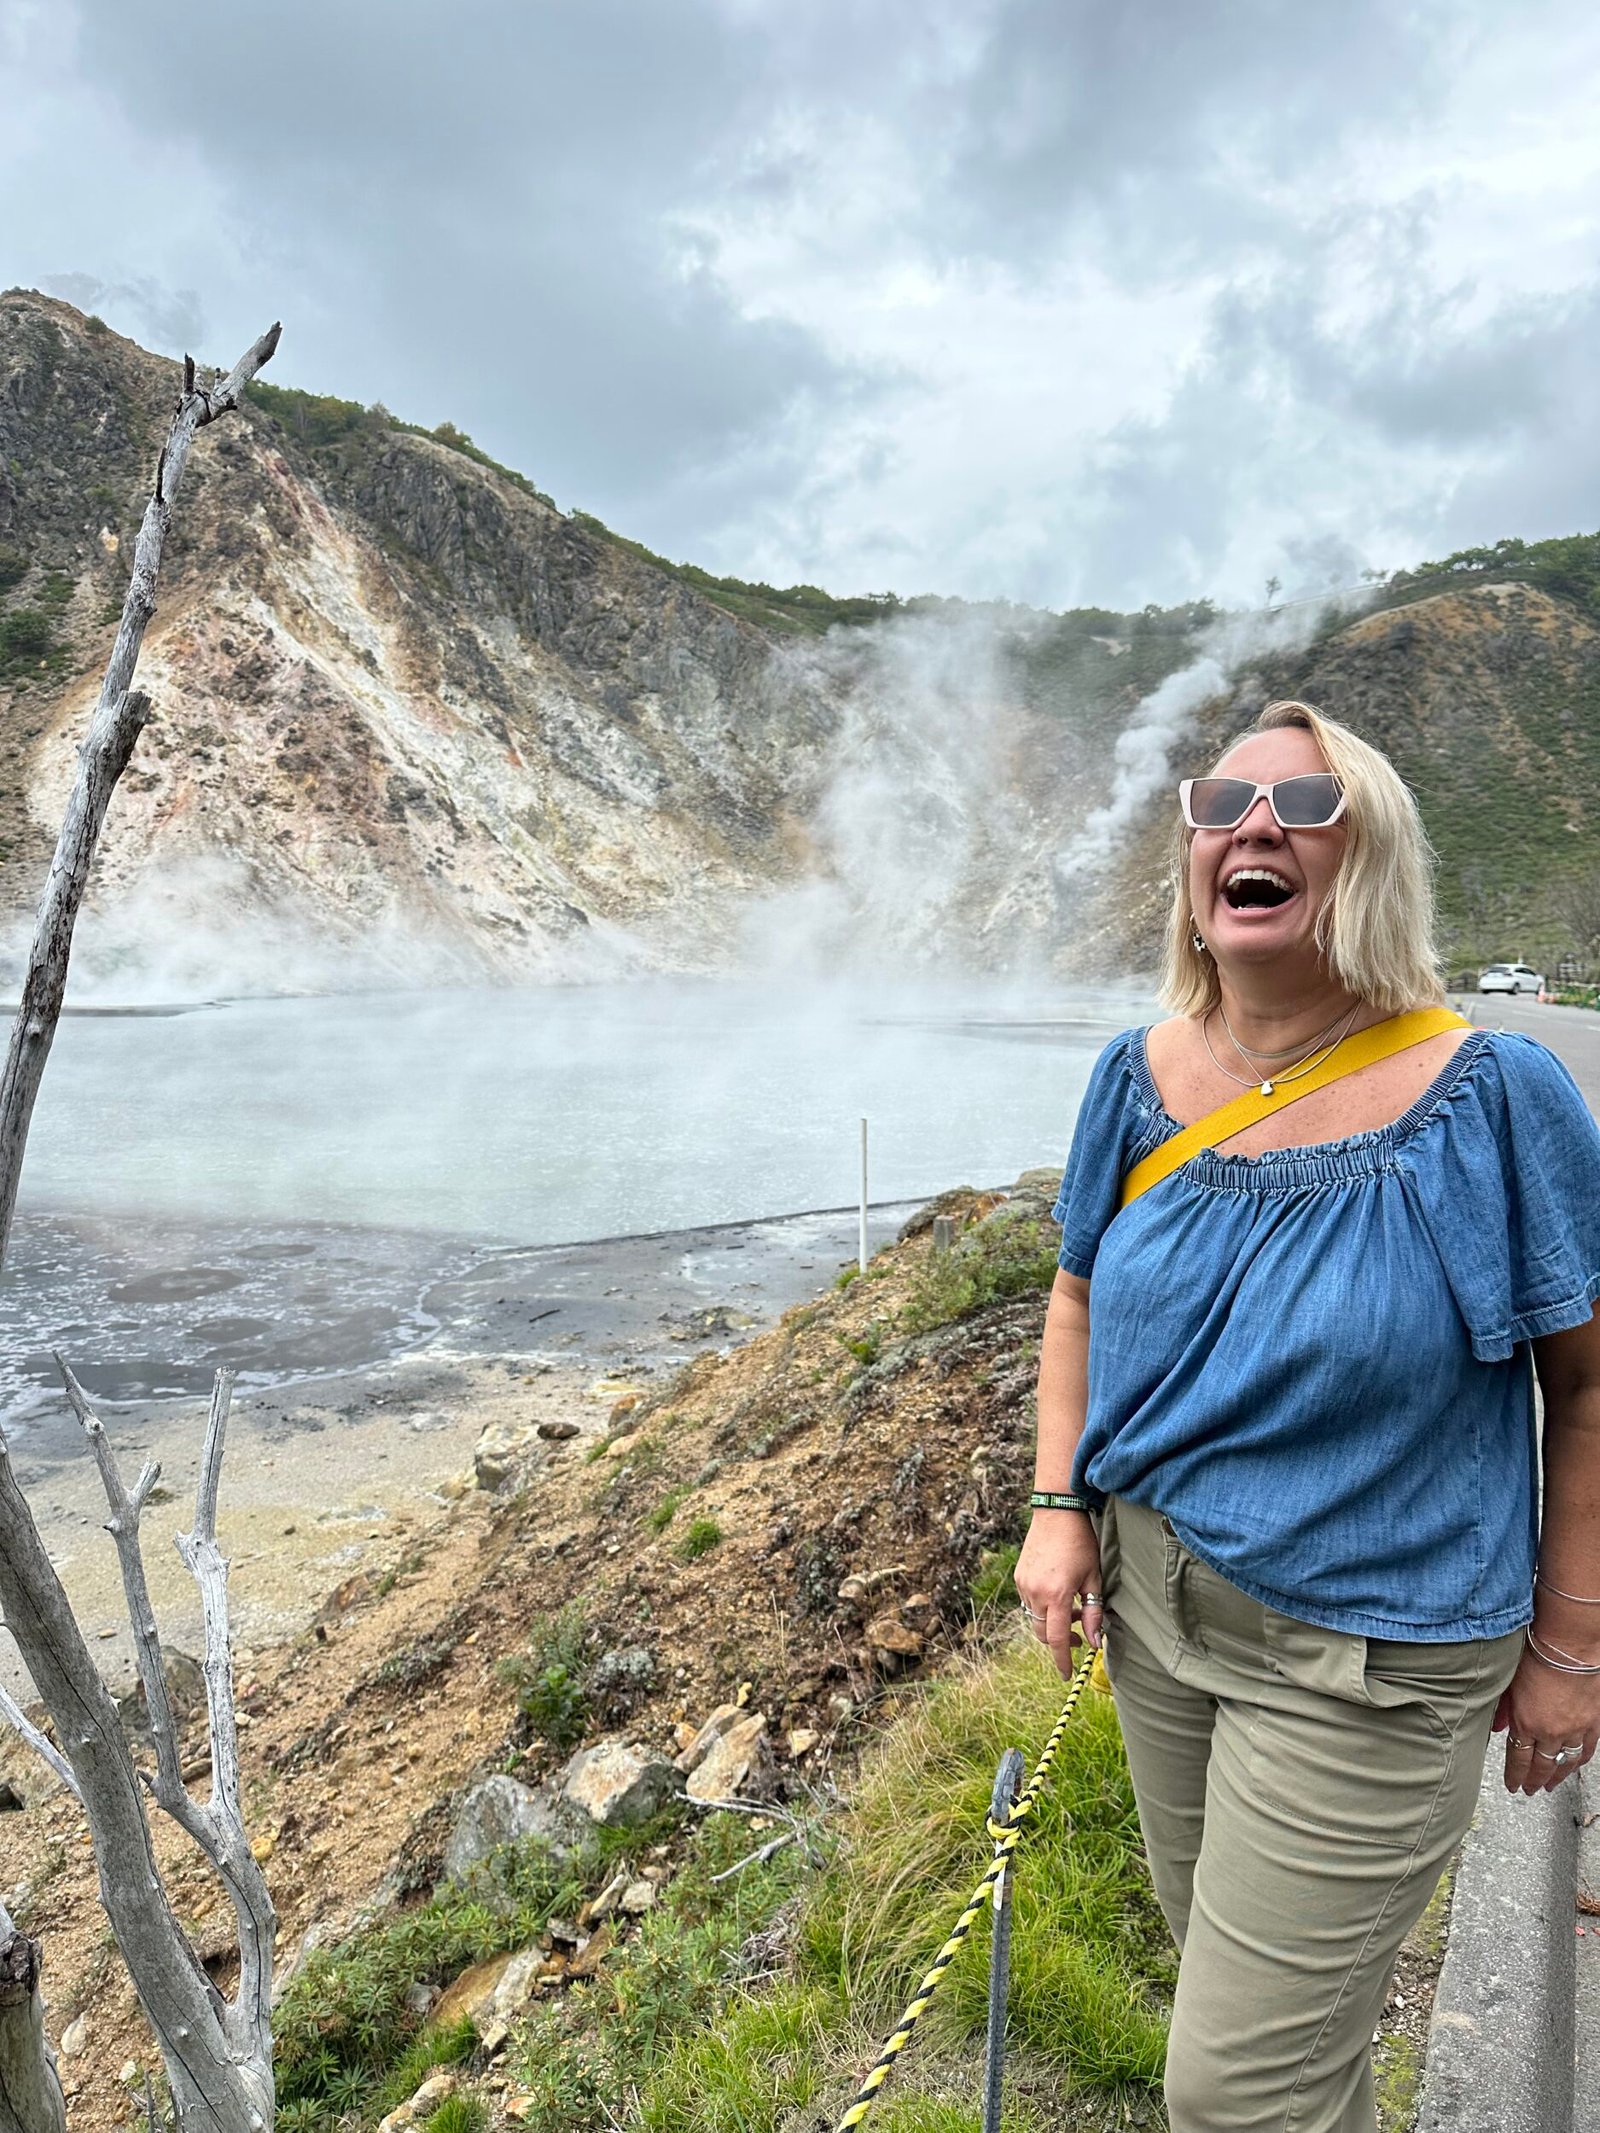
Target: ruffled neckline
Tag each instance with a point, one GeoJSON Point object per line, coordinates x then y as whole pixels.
{"type": "Point", "coordinates": [1317, 1162]}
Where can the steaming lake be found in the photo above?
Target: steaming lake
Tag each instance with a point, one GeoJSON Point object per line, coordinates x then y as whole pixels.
{"type": "Point", "coordinates": [211, 1183]}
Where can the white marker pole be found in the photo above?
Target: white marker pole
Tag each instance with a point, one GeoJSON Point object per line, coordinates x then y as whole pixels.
{"type": "Point", "coordinates": [863, 1245]}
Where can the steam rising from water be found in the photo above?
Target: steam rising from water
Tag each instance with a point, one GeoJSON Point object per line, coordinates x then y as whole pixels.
{"type": "Point", "coordinates": [1144, 750]}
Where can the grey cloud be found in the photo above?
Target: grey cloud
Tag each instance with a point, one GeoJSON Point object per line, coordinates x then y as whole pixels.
{"type": "Point", "coordinates": [167, 319]}
{"type": "Point", "coordinates": [494, 183]}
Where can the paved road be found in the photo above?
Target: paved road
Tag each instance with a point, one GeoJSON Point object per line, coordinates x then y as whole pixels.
{"type": "Point", "coordinates": [1573, 1033]}
{"type": "Point", "coordinates": [1518, 2014]}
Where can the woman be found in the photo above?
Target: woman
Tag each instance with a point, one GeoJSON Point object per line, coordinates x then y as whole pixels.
{"type": "Point", "coordinates": [1286, 1429]}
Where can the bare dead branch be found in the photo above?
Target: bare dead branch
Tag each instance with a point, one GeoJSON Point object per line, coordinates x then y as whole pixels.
{"type": "Point", "coordinates": [218, 2059]}
{"type": "Point", "coordinates": [118, 719]}
{"type": "Point", "coordinates": [41, 1744]}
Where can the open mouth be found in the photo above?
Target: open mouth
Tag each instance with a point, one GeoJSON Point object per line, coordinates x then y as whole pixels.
{"type": "Point", "coordinates": [1256, 889]}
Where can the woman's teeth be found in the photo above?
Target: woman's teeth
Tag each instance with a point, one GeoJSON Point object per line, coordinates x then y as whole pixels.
{"type": "Point", "coordinates": [1256, 888]}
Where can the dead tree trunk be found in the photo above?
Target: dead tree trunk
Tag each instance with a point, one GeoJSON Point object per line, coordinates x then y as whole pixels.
{"type": "Point", "coordinates": [30, 2093]}
{"type": "Point", "coordinates": [218, 2057]}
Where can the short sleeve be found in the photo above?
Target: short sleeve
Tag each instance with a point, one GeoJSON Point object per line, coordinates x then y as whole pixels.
{"type": "Point", "coordinates": [1112, 1131]}
{"type": "Point", "coordinates": [1511, 1194]}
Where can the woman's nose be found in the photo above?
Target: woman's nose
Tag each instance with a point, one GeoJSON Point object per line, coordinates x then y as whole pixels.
{"type": "Point", "coordinates": [1259, 823]}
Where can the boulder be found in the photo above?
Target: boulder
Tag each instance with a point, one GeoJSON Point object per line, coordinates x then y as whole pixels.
{"type": "Point", "coordinates": [556, 1431]}
{"type": "Point", "coordinates": [639, 1897]}
{"type": "Point", "coordinates": [186, 1692]}
{"type": "Point", "coordinates": [500, 1811]}
{"type": "Point", "coordinates": [498, 1453]}
{"type": "Point", "coordinates": [617, 1784]}
{"type": "Point", "coordinates": [729, 1762]}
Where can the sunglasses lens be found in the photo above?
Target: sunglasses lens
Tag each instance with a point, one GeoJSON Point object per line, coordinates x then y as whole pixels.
{"type": "Point", "coordinates": [1308, 802]}
{"type": "Point", "coordinates": [1218, 803]}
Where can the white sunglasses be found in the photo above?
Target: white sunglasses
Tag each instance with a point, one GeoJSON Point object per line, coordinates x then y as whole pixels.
{"type": "Point", "coordinates": [1314, 801]}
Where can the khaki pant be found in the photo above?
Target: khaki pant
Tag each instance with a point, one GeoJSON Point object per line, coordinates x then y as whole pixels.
{"type": "Point", "coordinates": [1300, 1791]}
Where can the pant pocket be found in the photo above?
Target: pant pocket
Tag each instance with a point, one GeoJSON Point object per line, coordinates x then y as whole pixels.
{"type": "Point", "coordinates": [1359, 1775]}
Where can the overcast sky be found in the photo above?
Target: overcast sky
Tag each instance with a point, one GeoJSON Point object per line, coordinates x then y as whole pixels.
{"type": "Point", "coordinates": [1033, 299]}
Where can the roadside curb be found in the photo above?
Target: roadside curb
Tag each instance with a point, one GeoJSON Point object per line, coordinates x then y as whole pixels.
{"type": "Point", "coordinates": [1502, 2039]}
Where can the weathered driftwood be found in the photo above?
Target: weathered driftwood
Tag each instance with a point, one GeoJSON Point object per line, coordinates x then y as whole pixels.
{"type": "Point", "coordinates": [218, 2057]}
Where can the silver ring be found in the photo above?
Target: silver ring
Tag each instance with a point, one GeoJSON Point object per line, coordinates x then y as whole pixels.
{"type": "Point", "coordinates": [1092, 1599]}
{"type": "Point", "coordinates": [1028, 1611]}
{"type": "Point", "coordinates": [1513, 1742]}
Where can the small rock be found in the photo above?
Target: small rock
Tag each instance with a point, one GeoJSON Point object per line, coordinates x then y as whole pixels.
{"type": "Point", "coordinates": [421, 1999]}
{"type": "Point", "coordinates": [75, 2037]}
{"type": "Point", "coordinates": [701, 1743]}
{"type": "Point", "coordinates": [685, 1735]}
{"type": "Point", "coordinates": [471, 1994]}
{"type": "Point", "coordinates": [889, 1637]}
{"type": "Point", "coordinates": [607, 1900]}
{"type": "Point", "coordinates": [453, 1488]}
{"type": "Point", "coordinates": [619, 1447]}
{"type": "Point", "coordinates": [639, 1897]}
{"type": "Point", "coordinates": [618, 1784]}
{"type": "Point", "coordinates": [801, 1741]}
{"type": "Point", "coordinates": [262, 1847]}
{"type": "Point", "coordinates": [729, 1761]}
{"type": "Point", "coordinates": [128, 2072]}
{"type": "Point", "coordinates": [495, 2039]}
{"type": "Point", "coordinates": [517, 1985]}
{"type": "Point", "coordinates": [624, 1406]}
{"type": "Point", "coordinates": [588, 1959]}
{"type": "Point", "coordinates": [556, 1432]}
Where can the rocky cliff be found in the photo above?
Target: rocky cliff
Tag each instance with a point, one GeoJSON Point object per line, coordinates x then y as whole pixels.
{"type": "Point", "coordinates": [414, 722]}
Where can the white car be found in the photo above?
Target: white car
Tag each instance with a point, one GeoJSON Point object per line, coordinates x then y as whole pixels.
{"type": "Point", "coordinates": [1511, 977]}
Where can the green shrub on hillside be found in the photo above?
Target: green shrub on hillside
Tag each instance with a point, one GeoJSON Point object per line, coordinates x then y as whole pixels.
{"type": "Point", "coordinates": [549, 1677]}
{"type": "Point", "coordinates": [26, 636]}
{"type": "Point", "coordinates": [1010, 1253]}
{"type": "Point", "coordinates": [13, 567]}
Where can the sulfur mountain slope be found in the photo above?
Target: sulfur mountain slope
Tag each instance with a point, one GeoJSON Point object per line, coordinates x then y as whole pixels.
{"type": "Point", "coordinates": [413, 722]}
{"type": "Point", "coordinates": [414, 704]}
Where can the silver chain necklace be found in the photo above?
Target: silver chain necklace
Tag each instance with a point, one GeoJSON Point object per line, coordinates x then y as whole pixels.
{"type": "Point", "coordinates": [1247, 1052]}
{"type": "Point", "coordinates": [1313, 1058]}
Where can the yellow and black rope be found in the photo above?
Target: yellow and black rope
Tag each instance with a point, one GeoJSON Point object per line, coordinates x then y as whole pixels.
{"type": "Point", "coordinates": [1007, 1835]}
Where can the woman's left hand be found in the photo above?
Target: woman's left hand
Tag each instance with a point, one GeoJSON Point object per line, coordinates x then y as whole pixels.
{"type": "Point", "coordinates": [1544, 1714]}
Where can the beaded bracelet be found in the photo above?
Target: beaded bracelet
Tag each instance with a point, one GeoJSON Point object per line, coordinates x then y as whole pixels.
{"type": "Point", "coordinates": [1056, 1500]}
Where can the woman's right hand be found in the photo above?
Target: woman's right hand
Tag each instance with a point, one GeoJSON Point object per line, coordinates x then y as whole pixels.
{"type": "Point", "coordinates": [1058, 1577]}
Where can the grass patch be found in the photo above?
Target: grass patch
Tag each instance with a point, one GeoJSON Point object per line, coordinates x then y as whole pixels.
{"type": "Point", "coordinates": [994, 1583]}
{"type": "Point", "coordinates": [458, 2114]}
{"type": "Point", "coordinates": [1092, 1968]}
{"type": "Point", "coordinates": [1013, 1252]}
{"type": "Point", "coordinates": [703, 1535]}
{"type": "Point", "coordinates": [666, 1510]}
{"type": "Point", "coordinates": [577, 2056]}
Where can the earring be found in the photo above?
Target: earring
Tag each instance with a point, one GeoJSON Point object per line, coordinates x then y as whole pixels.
{"type": "Point", "coordinates": [1197, 943]}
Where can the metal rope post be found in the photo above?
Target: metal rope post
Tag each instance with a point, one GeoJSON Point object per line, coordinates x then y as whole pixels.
{"type": "Point", "coordinates": [1007, 1785]}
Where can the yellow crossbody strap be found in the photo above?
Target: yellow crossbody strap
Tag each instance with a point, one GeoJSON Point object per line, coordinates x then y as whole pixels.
{"type": "Point", "coordinates": [1368, 1046]}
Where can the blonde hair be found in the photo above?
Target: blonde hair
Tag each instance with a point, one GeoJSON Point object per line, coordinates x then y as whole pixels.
{"type": "Point", "coordinates": [1375, 929]}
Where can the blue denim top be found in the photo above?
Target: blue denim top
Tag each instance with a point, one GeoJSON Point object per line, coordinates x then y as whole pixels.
{"type": "Point", "coordinates": [1315, 1361]}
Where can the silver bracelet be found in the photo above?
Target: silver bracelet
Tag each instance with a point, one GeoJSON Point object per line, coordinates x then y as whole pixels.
{"type": "Point", "coordinates": [1539, 1578]}
{"type": "Point", "coordinates": [1563, 1665]}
